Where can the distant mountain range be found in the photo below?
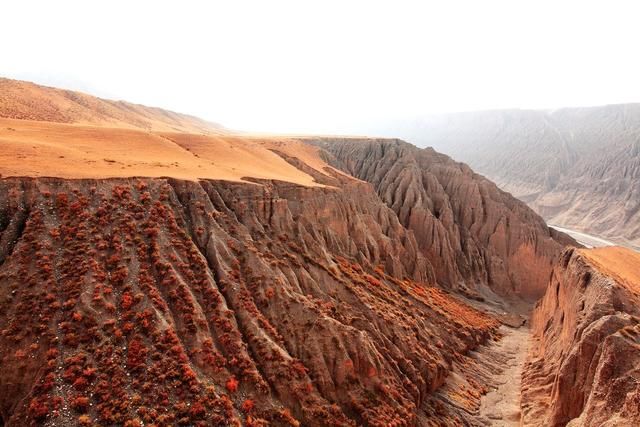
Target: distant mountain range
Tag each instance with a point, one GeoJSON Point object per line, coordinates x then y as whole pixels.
{"type": "Point", "coordinates": [577, 167]}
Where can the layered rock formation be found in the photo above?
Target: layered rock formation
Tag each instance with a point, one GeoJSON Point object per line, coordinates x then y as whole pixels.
{"type": "Point", "coordinates": [577, 167]}
{"type": "Point", "coordinates": [479, 238]}
{"type": "Point", "coordinates": [584, 363]}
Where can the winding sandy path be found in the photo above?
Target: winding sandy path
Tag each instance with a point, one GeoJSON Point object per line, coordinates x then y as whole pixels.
{"type": "Point", "coordinates": [501, 405]}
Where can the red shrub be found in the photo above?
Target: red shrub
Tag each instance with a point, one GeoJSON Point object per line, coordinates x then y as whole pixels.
{"type": "Point", "coordinates": [248, 405]}
{"type": "Point", "coordinates": [127, 300]}
{"type": "Point", "coordinates": [299, 368]}
{"type": "Point", "coordinates": [269, 292]}
{"type": "Point", "coordinates": [232, 384]}
{"type": "Point", "coordinates": [62, 199]}
{"type": "Point", "coordinates": [80, 383]}
{"type": "Point", "coordinates": [136, 354]}
{"type": "Point", "coordinates": [38, 409]}
{"type": "Point", "coordinates": [197, 410]}
{"type": "Point", "coordinates": [80, 403]}
{"type": "Point", "coordinates": [188, 373]}
{"type": "Point", "coordinates": [152, 231]}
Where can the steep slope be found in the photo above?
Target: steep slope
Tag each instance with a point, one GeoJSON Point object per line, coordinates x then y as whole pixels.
{"type": "Point", "coordinates": [28, 101]}
{"type": "Point", "coordinates": [577, 167]}
{"type": "Point", "coordinates": [175, 302]}
{"type": "Point", "coordinates": [584, 364]}
{"type": "Point", "coordinates": [479, 239]}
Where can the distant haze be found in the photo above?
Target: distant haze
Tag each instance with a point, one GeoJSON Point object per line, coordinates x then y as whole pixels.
{"type": "Point", "coordinates": [328, 66]}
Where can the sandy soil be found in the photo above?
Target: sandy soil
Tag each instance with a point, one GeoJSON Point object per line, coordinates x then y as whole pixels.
{"type": "Point", "coordinates": [52, 132]}
{"type": "Point", "coordinates": [33, 148]}
{"type": "Point", "coordinates": [29, 101]}
{"type": "Point", "coordinates": [501, 405]}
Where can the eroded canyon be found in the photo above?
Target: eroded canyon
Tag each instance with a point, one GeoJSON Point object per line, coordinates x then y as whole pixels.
{"type": "Point", "coordinates": [218, 279]}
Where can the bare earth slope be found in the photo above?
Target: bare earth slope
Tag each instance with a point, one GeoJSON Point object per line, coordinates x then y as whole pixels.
{"type": "Point", "coordinates": [28, 101]}
{"type": "Point", "coordinates": [175, 302]}
{"type": "Point", "coordinates": [584, 363]}
{"type": "Point", "coordinates": [577, 167]}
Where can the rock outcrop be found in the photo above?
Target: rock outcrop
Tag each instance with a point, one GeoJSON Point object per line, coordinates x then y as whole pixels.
{"type": "Point", "coordinates": [578, 168]}
{"type": "Point", "coordinates": [479, 239]}
{"type": "Point", "coordinates": [584, 362]}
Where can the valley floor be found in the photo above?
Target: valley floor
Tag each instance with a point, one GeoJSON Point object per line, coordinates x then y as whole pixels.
{"type": "Point", "coordinates": [583, 238]}
{"type": "Point", "coordinates": [501, 405]}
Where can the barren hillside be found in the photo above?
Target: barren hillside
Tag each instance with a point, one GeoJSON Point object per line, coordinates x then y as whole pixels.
{"type": "Point", "coordinates": [28, 101]}
{"type": "Point", "coordinates": [31, 148]}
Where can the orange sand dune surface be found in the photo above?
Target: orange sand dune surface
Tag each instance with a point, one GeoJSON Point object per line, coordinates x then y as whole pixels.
{"type": "Point", "coordinates": [33, 148]}
{"type": "Point", "coordinates": [620, 263]}
{"type": "Point", "coordinates": [29, 101]}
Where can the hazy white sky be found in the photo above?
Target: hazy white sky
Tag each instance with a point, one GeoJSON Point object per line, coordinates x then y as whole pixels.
{"type": "Point", "coordinates": [328, 66]}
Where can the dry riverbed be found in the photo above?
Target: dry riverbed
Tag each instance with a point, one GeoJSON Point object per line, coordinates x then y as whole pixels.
{"type": "Point", "coordinates": [501, 405]}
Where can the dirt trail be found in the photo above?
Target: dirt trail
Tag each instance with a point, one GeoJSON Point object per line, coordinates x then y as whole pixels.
{"type": "Point", "coordinates": [501, 405]}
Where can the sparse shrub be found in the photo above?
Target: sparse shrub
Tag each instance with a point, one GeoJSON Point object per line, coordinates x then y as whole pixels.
{"type": "Point", "coordinates": [38, 409]}
{"type": "Point", "coordinates": [127, 300]}
{"type": "Point", "coordinates": [79, 403]}
{"type": "Point", "coordinates": [197, 410]}
{"type": "Point", "coordinates": [270, 292]}
{"type": "Point", "coordinates": [133, 423]}
{"type": "Point", "coordinates": [80, 383]}
{"type": "Point", "coordinates": [232, 385]}
{"type": "Point", "coordinates": [248, 405]}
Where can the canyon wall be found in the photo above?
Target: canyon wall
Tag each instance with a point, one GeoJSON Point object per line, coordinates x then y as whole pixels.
{"type": "Point", "coordinates": [577, 167]}
{"type": "Point", "coordinates": [479, 239]}
{"type": "Point", "coordinates": [584, 362]}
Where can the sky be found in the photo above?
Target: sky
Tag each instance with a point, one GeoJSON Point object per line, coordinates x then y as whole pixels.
{"type": "Point", "coordinates": [328, 66]}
